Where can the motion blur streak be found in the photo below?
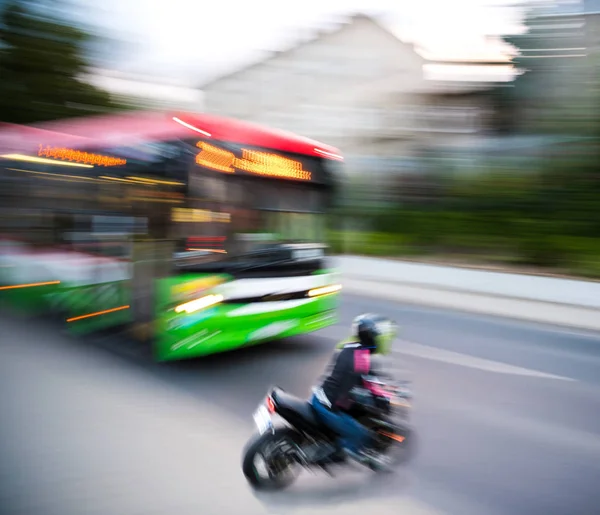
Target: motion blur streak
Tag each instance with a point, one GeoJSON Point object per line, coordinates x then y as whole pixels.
{"type": "Point", "coordinates": [191, 127]}
{"type": "Point", "coordinates": [326, 290]}
{"type": "Point", "coordinates": [228, 170]}
{"type": "Point", "coordinates": [42, 160]}
{"type": "Point", "coordinates": [98, 313]}
{"type": "Point", "coordinates": [12, 287]}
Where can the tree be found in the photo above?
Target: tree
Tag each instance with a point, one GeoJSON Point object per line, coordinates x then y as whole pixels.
{"type": "Point", "coordinates": [42, 60]}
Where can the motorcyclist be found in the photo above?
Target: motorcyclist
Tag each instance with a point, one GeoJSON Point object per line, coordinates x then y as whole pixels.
{"type": "Point", "coordinates": [351, 363]}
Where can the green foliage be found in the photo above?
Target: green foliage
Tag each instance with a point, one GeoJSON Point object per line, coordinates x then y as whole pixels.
{"type": "Point", "coordinates": [42, 59]}
{"type": "Point", "coordinates": [369, 243]}
{"type": "Point", "coordinates": [545, 218]}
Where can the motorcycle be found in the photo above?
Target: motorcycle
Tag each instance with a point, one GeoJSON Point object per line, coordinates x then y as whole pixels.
{"type": "Point", "coordinates": [303, 442]}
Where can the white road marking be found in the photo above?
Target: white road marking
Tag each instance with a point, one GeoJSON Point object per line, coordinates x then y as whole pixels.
{"type": "Point", "coordinates": [403, 347]}
{"type": "Point", "coordinates": [424, 351]}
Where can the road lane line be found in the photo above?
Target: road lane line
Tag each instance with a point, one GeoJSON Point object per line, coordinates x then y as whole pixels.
{"type": "Point", "coordinates": [455, 358]}
{"type": "Point", "coordinates": [418, 350]}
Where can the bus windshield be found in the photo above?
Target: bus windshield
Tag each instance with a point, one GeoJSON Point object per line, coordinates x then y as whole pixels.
{"type": "Point", "coordinates": [249, 198]}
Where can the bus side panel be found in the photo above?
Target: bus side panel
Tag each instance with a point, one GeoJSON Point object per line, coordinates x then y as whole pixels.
{"type": "Point", "coordinates": [224, 327]}
{"type": "Point", "coordinates": [87, 292]}
{"type": "Point", "coordinates": [172, 329]}
{"type": "Point", "coordinates": [95, 307]}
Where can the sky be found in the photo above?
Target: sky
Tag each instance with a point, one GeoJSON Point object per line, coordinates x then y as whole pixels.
{"type": "Point", "coordinates": [191, 40]}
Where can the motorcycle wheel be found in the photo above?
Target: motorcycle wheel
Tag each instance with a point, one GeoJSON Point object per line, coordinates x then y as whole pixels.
{"type": "Point", "coordinates": [281, 468]}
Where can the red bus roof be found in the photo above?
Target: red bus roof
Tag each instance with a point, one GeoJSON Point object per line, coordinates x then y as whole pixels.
{"type": "Point", "coordinates": [132, 128]}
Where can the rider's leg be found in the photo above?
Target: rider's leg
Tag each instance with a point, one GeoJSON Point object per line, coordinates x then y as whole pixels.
{"type": "Point", "coordinates": [354, 437]}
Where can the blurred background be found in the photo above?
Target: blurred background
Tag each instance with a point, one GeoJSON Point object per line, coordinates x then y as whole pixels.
{"type": "Point", "coordinates": [469, 128]}
{"type": "Point", "coordinates": [470, 136]}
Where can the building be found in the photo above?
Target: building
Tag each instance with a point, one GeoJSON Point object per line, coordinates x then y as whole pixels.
{"type": "Point", "coordinates": [360, 88]}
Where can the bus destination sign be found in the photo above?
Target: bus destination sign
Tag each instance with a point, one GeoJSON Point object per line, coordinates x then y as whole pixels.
{"type": "Point", "coordinates": [67, 154]}
{"type": "Point", "coordinates": [265, 164]}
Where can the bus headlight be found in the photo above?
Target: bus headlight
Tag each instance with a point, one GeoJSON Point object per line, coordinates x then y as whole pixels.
{"type": "Point", "coordinates": [325, 290]}
{"type": "Point", "coordinates": [198, 304]}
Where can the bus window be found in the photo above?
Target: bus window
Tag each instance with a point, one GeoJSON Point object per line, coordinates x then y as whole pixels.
{"type": "Point", "coordinates": [291, 226]}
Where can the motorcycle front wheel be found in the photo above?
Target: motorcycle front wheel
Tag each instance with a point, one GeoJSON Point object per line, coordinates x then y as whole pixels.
{"type": "Point", "coordinates": [275, 450]}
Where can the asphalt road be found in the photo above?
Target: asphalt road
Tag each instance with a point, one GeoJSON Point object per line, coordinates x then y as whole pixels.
{"type": "Point", "coordinates": [508, 417]}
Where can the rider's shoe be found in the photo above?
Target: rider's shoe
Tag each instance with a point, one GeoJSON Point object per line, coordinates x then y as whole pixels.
{"type": "Point", "coordinates": [362, 457]}
{"type": "Point", "coordinates": [369, 459]}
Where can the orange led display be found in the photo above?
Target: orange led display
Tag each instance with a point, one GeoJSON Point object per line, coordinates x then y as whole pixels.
{"type": "Point", "coordinates": [67, 154]}
{"type": "Point", "coordinates": [252, 161]}
{"type": "Point", "coordinates": [215, 158]}
{"type": "Point", "coordinates": [262, 163]}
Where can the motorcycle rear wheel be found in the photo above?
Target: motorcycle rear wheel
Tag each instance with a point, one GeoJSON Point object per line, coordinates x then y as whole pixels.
{"type": "Point", "coordinates": [282, 469]}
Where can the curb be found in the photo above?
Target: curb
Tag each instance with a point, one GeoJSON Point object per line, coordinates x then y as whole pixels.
{"type": "Point", "coordinates": [467, 291]}
{"type": "Point", "coordinates": [473, 267]}
{"type": "Point", "coordinates": [548, 313]}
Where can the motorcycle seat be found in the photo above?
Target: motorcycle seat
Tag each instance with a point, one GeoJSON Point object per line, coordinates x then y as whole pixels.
{"type": "Point", "coordinates": [293, 403]}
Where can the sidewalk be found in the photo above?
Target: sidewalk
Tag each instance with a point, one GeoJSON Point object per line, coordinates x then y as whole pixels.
{"type": "Point", "coordinates": [565, 302]}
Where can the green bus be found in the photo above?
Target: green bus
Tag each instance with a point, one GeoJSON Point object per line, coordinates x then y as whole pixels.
{"type": "Point", "coordinates": [206, 232]}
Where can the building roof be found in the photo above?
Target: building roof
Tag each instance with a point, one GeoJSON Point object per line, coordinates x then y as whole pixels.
{"type": "Point", "coordinates": [128, 129]}
{"type": "Point", "coordinates": [316, 37]}
{"type": "Point", "coordinates": [444, 84]}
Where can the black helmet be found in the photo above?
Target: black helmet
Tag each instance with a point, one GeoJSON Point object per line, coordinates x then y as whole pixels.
{"type": "Point", "coordinates": [373, 331]}
{"type": "Point", "coordinates": [366, 330]}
